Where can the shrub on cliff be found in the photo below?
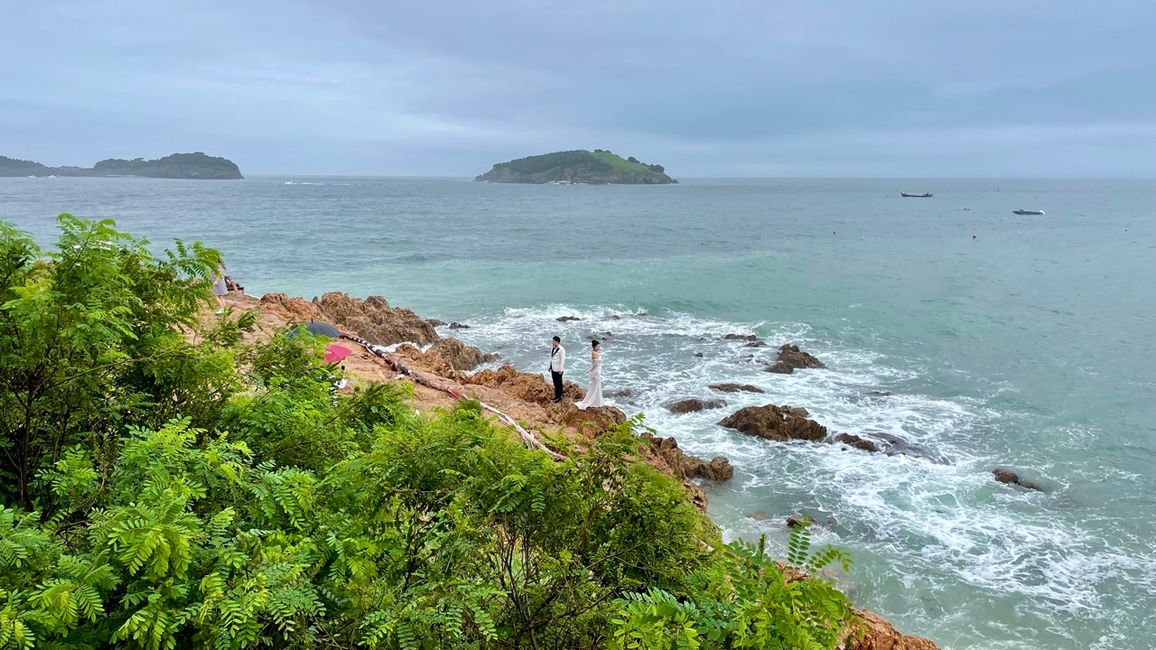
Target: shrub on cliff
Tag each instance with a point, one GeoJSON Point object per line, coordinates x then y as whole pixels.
{"type": "Point", "coordinates": [164, 490]}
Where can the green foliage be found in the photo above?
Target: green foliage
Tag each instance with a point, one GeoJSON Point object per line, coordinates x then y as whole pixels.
{"type": "Point", "coordinates": [178, 165]}
{"type": "Point", "coordinates": [180, 490]}
{"type": "Point", "coordinates": [800, 557]}
{"type": "Point", "coordinates": [91, 342]}
{"type": "Point", "coordinates": [578, 166]}
{"type": "Point", "coordinates": [744, 600]}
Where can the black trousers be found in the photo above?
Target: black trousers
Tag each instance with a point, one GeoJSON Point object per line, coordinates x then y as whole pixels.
{"type": "Point", "coordinates": [557, 377]}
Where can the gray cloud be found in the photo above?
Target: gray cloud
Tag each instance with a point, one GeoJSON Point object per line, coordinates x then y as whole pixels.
{"type": "Point", "coordinates": [740, 88]}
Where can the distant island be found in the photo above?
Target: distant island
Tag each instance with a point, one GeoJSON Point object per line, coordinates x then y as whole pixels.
{"type": "Point", "coordinates": [598, 167]}
{"type": "Point", "coordinates": [178, 165]}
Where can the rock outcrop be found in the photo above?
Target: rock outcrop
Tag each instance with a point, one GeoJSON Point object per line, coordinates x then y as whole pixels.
{"type": "Point", "coordinates": [1011, 478]}
{"type": "Point", "coordinates": [452, 354]}
{"type": "Point", "coordinates": [796, 358]}
{"type": "Point", "coordinates": [682, 465]}
{"type": "Point", "coordinates": [736, 388]}
{"type": "Point", "coordinates": [877, 634]}
{"type": "Point", "coordinates": [791, 358]}
{"type": "Point", "coordinates": [526, 386]}
{"type": "Point", "coordinates": [459, 326]}
{"type": "Point", "coordinates": [750, 338]}
{"type": "Point", "coordinates": [852, 440]}
{"type": "Point", "coordinates": [694, 404]}
{"type": "Point", "coordinates": [289, 308]}
{"type": "Point", "coordinates": [375, 320]}
{"type": "Point", "coordinates": [589, 421]}
{"type": "Point", "coordinates": [773, 422]}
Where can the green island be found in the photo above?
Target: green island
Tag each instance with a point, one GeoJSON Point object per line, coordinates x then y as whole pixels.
{"type": "Point", "coordinates": [598, 167]}
{"type": "Point", "coordinates": [168, 481]}
{"type": "Point", "coordinates": [178, 165]}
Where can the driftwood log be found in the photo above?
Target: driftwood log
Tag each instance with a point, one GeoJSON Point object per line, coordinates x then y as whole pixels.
{"type": "Point", "coordinates": [528, 438]}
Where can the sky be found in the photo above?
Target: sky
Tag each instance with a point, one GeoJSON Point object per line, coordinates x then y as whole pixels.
{"type": "Point", "coordinates": [976, 88]}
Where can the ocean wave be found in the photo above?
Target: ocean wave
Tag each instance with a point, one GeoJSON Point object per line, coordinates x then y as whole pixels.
{"type": "Point", "coordinates": [949, 524]}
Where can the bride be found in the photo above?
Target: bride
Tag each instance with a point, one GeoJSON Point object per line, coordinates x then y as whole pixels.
{"type": "Point", "coordinates": [594, 393]}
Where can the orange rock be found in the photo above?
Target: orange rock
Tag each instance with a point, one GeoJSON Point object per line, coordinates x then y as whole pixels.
{"type": "Point", "coordinates": [291, 309]}
{"type": "Point", "coordinates": [878, 634]}
{"type": "Point", "coordinates": [773, 422]}
{"type": "Point", "coordinates": [526, 386]}
{"type": "Point", "coordinates": [375, 320]}
{"type": "Point", "coordinates": [591, 421]}
{"type": "Point", "coordinates": [682, 465]}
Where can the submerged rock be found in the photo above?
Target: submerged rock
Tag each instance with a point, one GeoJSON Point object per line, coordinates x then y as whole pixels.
{"type": "Point", "coordinates": [736, 388]}
{"type": "Point", "coordinates": [1011, 478]}
{"type": "Point", "coordinates": [619, 392]}
{"type": "Point", "coordinates": [897, 446]}
{"type": "Point", "coordinates": [794, 521]}
{"type": "Point", "coordinates": [857, 442]}
{"type": "Point", "coordinates": [773, 422]}
{"type": "Point", "coordinates": [682, 465]}
{"type": "Point", "coordinates": [459, 326]}
{"type": "Point", "coordinates": [694, 404]}
{"type": "Point", "coordinates": [756, 344]}
{"type": "Point", "coordinates": [741, 337]}
{"type": "Point", "coordinates": [792, 356]}
{"type": "Point", "coordinates": [567, 319]}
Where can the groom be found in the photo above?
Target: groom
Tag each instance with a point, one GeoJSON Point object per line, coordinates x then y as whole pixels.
{"type": "Point", "coordinates": [557, 367]}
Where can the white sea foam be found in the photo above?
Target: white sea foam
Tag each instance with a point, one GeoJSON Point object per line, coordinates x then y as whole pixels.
{"type": "Point", "coordinates": [936, 514]}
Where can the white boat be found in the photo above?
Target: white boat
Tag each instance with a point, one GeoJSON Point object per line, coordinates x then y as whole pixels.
{"type": "Point", "coordinates": [1034, 213]}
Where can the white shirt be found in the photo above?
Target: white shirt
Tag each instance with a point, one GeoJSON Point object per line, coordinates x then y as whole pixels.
{"type": "Point", "coordinates": [558, 359]}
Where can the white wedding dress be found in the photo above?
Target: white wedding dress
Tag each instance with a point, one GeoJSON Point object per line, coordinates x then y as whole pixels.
{"type": "Point", "coordinates": [594, 393]}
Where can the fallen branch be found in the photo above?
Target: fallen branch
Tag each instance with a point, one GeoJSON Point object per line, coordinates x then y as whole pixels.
{"type": "Point", "coordinates": [527, 437]}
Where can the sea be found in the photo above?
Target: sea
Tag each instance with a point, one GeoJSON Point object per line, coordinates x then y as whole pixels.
{"type": "Point", "coordinates": [975, 337]}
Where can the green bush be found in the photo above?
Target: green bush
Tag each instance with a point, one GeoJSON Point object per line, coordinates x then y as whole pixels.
{"type": "Point", "coordinates": [165, 487]}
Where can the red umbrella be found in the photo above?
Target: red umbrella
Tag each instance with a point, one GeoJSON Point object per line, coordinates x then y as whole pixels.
{"type": "Point", "coordinates": [335, 353]}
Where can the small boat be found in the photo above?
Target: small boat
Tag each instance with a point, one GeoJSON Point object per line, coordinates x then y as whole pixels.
{"type": "Point", "coordinates": [1034, 213]}
{"type": "Point", "coordinates": [915, 196]}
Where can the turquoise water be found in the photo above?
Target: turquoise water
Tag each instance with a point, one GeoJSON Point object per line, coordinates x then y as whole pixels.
{"type": "Point", "coordinates": [1030, 346]}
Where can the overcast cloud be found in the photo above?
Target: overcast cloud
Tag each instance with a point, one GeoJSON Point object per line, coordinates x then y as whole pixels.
{"type": "Point", "coordinates": [734, 88]}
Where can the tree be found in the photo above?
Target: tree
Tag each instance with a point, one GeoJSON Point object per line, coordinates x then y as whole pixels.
{"type": "Point", "coordinates": [90, 343]}
{"type": "Point", "coordinates": [165, 486]}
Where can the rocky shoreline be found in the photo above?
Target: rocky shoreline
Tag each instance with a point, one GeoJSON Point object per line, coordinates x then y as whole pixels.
{"type": "Point", "coordinates": [526, 399]}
